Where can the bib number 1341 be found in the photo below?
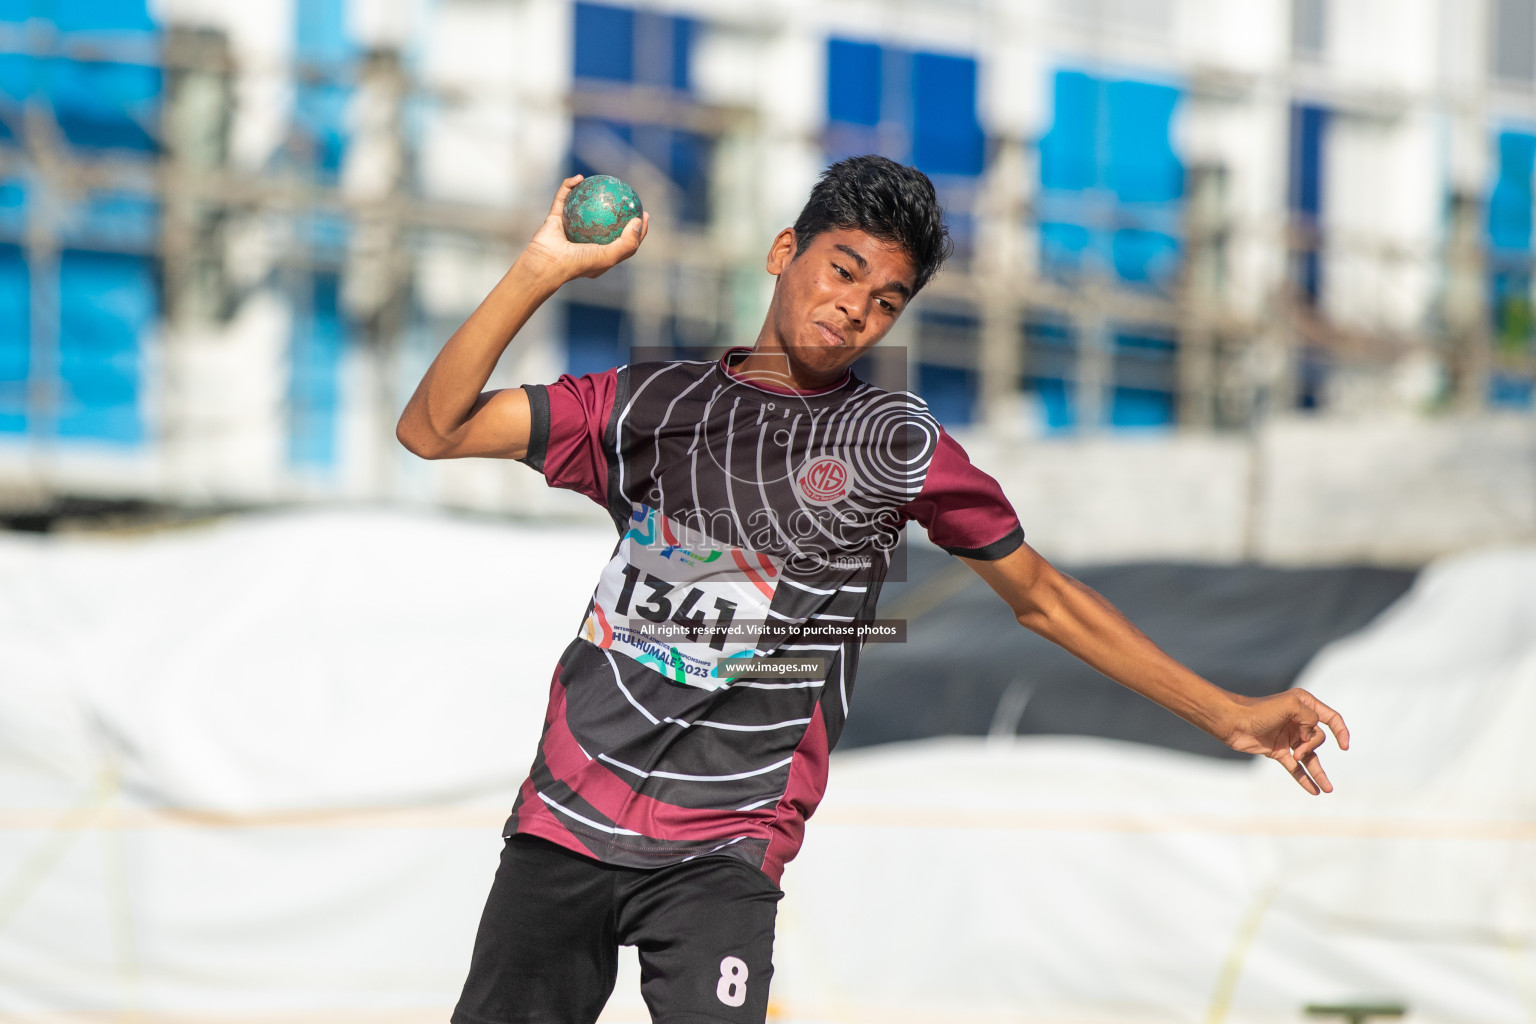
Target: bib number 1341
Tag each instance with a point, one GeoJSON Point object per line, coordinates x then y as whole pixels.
{"type": "Point", "coordinates": [657, 605]}
{"type": "Point", "coordinates": [680, 604]}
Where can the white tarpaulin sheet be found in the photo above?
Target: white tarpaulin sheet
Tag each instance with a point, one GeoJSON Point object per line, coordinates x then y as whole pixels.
{"type": "Point", "coordinates": [255, 770]}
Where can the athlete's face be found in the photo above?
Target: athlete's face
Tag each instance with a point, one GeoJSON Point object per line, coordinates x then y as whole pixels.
{"type": "Point", "coordinates": [834, 301]}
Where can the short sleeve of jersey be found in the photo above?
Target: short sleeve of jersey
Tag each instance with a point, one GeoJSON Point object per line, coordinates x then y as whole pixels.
{"type": "Point", "coordinates": [568, 438]}
{"type": "Point", "coordinates": [963, 509]}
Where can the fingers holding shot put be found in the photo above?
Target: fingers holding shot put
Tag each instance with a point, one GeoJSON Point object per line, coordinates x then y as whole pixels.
{"type": "Point", "coordinates": [564, 190]}
{"type": "Point", "coordinates": [623, 246]}
{"type": "Point", "coordinates": [593, 224]}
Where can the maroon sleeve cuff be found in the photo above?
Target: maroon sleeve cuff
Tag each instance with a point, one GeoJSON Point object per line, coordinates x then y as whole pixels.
{"type": "Point", "coordinates": [569, 436]}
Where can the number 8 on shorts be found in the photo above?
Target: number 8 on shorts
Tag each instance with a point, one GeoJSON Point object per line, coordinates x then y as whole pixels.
{"type": "Point", "coordinates": [732, 989]}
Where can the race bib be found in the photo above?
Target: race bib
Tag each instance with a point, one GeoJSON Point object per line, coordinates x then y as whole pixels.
{"type": "Point", "coordinates": [679, 603]}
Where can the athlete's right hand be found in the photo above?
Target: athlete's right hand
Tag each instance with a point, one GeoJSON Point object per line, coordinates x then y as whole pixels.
{"type": "Point", "coordinates": [551, 253]}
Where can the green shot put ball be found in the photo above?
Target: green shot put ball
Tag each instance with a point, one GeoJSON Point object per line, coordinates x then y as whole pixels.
{"type": "Point", "coordinates": [598, 208]}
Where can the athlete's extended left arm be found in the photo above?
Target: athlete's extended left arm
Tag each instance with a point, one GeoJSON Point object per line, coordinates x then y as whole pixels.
{"type": "Point", "coordinates": [1049, 602]}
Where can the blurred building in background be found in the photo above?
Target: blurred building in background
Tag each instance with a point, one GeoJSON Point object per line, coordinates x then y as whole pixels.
{"type": "Point", "coordinates": [1210, 257]}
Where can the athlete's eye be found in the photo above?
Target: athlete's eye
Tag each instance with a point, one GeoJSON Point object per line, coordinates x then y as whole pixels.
{"type": "Point", "coordinates": [886, 306]}
{"type": "Point", "coordinates": [842, 273]}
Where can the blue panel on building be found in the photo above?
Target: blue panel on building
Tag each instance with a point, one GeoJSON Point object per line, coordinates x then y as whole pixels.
{"type": "Point", "coordinates": [107, 306]}
{"type": "Point", "coordinates": [1108, 158]}
{"type": "Point", "coordinates": [1141, 166]}
{"type": "Point", "coordinates": [1506, 391]}
{"type": "Point", "coordinates": [1141, 341]}
{"type": "Point", "coordinates": [595, 136]}
{"type": "Point", "coordinates": [13, 208]}
{"type": "Point", "coordinates": [605, 42]}
{"type": "Point", "coordinates": [99, 104]}
{"type": "Point", "coordinates": [1069, 157]}
{"type": "Point", "coordinates": [1141, 408]}
{"type": "Point", "coordinates": [1509, 255]}
{"type": "Point", "coordinates": [96, 15]}
{"type": "Point", "coordinates": [1146, 380]}
{"type": "Point", "coordinates": [1509, 205]}
{"type": "Point", "coordinates": [854, 82]}
{"type": "Point", "coordinates": [682, 30]}
{"type": "Point", "coordinates": [102, 105]}
{"type": "Point", "coordinates": [1050, 363]}
{"type": "Point", "coordinates": [15, 339]}
{"type": "Point", "coordinates": [614, 44]}
{"type": "Point", "coordinates": [688, 167]}
{"type": "Point", "coordinates": [320, 31]}
{"type": "Point", "coordinates": [1064, 248]}
{"type": "Point", "coordinates": [1058, 403]}
{"type": "Point", "coordinates": [15, 86]}
{"type": "Point", "coordinates": [82, 16]}
{"type": "Point", "coordinates": [597, 338]}
{"type": "Point", "coordinates": [320, 332]}
{"type": "Point", "coordinates": [946, 136]}
{"type": "Point", "coordinates": [314, 382]}
{"type": "Point", "coordinates": [320, 106]}
{"type": "Point", "coordinates": [950, 392]}
{"type": "Point", "coordinates": [1308, 130]}
{"type": "Point", "coordinates": [115, 221]}
{"type": "Point", "coordinates": [108, 301]}
{"type": "Point", "coordinates": [1312, 370]}
{"type": "Point", "coordinates": [320, 111]}
{"type": "Point", "coordinates": [684, 157]}
{"type": "Point", "coordinates": [1149, 257]}
{"type": "Point", "coordinates": [925, 102]}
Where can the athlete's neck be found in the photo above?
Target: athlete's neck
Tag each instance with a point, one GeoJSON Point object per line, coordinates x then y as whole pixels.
{"type": "Point", "coordinates": [774, 367]}
{"type": "Point", "coordinates": [770, 363]}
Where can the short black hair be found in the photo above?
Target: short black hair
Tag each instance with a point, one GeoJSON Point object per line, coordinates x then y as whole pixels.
{"type": "Point", "coordinates": [892, 202]}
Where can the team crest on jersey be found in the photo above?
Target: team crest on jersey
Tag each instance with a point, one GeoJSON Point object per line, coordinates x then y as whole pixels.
{"type": "Point", "coordinates": [824, 480]}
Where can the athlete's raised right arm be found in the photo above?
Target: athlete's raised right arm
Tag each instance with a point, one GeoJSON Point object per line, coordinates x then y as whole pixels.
{"type": "Point", "coordinates": [450, 416]}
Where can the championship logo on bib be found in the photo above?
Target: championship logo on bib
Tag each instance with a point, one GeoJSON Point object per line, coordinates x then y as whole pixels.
{"type": "Point", "coordinates": [679, 604]}
{"type": "Point", "coordinates": [823, 481]}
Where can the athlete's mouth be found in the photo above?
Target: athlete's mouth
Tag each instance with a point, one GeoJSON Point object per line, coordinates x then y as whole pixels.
{"type": "Point", "coordinates": [832, 334]}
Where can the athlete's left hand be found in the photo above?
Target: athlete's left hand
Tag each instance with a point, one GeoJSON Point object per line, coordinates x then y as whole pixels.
{"type": "Point", "coordinates": [1288, 727]}
{"type": "Point", "coordinates": [1067, 613]}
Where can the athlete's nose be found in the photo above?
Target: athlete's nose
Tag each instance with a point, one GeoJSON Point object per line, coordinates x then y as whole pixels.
{"type": "Point", "coordinates": [853, 309]}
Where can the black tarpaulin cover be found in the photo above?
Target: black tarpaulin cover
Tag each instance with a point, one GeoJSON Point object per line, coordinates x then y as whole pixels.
{"type": "Point", "coordinates": [968, 669]}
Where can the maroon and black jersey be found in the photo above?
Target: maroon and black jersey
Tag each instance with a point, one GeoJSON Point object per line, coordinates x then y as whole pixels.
{"type": "Point", "coordinates": [754, 521]}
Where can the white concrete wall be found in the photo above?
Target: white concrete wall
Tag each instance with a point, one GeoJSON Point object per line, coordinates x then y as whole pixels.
{"type": "Point", "coordinates": [1395, 491]}
{"type": "Point", "coordinates": [1110, 499]}
{"type": "Point", "coordinates": [1301, 491]}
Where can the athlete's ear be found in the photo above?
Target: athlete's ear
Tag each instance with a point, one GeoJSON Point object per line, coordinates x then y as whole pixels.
{"type": "Point", "coordinates": [781, 252]}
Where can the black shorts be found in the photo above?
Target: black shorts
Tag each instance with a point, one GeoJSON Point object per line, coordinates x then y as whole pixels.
{"type": "Point", "coordinates": [548, 945]}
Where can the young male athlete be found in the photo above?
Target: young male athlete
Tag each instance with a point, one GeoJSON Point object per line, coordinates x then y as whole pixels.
{"type": "Point", "coordinates": [757, 499]}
